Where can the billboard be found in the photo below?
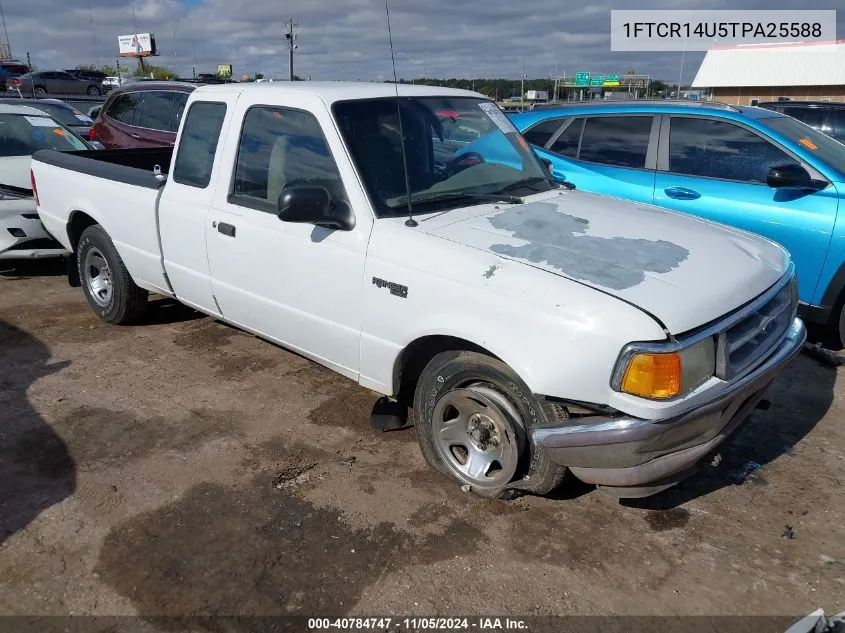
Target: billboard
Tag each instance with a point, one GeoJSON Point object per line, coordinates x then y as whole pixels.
{"type": "Point", "coordinates": [137, 45]}
{"type": "Point", "coordinates": [224, 71]}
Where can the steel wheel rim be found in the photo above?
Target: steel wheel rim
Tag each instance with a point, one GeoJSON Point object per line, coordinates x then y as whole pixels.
{"type": "Point", "coordinates": [98, 277]}
{"type": "Point", "coordinates": [475, 435]}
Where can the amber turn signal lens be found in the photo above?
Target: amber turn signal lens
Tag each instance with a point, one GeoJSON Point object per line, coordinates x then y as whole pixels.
{"type": "Point", "coordinates": [653, 376]}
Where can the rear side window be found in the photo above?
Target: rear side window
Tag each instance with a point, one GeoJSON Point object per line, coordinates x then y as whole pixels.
{"type": "Point", "coordinates": [837, 117]}
{"type": "Point", "coordinates": [280, 148]}
{"type": "Point", "coordinates": [541, 133]}
{"type": "Point", "coordinates": [811, 116]}
{"type": "Point", "coordinates": [619, 141]}
{"type": "Point", "coordinates": [567, 143]}
{"type": "Point", "coordinates": [198, 144]}
{"type": "Point", "coordinates": [156, 111]}
{"type": "Point", "coordinates": [122, 109]}
{"type": "Point", "coordinates": [718, 149]}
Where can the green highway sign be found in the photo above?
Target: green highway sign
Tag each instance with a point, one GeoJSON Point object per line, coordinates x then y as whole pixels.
{"type": "Point", "coordinates": [611, 80]}
{"type": "Point", "coordinates": [597, 80]}
{"type": "Point", "coordinates": [582, 79]}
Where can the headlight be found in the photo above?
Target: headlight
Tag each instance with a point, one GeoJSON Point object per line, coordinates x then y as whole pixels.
{"type": "Point", "coordinates": [661, 375]}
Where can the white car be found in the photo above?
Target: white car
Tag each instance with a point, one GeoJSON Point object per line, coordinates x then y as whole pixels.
{"type": "Point", "coordinates": [23, 131]}
{"type": "Point", "coordinates": [534, 329]}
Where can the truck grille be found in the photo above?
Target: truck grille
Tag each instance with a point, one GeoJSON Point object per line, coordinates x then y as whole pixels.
{"type": "Point", "coordinates": [748, 341]}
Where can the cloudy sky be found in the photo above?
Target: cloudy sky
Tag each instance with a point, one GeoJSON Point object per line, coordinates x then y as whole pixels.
{"type": "Point", "coordinates": [347, 39]}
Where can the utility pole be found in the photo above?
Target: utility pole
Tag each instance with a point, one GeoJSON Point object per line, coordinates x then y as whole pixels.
{"type": "Point", "coordinates": [6, 32]}
{"type": "Point", "coordinates": [290, 36]}
{"type": "Point", "coordinates": [522, 90]}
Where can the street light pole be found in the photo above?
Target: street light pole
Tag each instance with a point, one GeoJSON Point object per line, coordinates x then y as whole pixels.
{"type": "Point", "coordinates": [5, 30]}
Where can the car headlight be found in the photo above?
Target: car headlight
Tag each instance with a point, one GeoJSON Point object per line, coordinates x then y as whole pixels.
{"type": "Point", "coordinates": [658, 375]}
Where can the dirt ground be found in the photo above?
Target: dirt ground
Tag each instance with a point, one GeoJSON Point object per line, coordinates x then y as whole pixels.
{"type": "Point", "coordinates": [185, 467]}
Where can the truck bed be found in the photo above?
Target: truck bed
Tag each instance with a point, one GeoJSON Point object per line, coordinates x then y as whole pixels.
{"type": "Point", "coordinates": [129, 166]}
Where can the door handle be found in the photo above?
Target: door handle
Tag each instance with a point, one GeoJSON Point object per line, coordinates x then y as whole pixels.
{"type": "Point", "coordinates": [226, 229]}
{"type": "Point", "coordinates": [681, 193]}
{"type": "Point", "coordinates": [133, 135]}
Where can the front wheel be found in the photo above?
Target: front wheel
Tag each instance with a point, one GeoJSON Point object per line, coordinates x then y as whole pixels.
{"type": "Point", "coordinates": [109, 289]}
{"type": "Point", "coordinates": [473, 415]}
{"type": "Point", "coordinates": [39, 91]}
{"type": "Point", "coordinates": [93, 91]}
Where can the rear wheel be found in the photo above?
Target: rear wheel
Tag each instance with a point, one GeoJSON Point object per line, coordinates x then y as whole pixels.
{"type": "Point", "coordinates": [473, 416]}
{"type": "Point", "coordinates": [109, 289]}
{"type": "Point", "coordinates": [93, 91]}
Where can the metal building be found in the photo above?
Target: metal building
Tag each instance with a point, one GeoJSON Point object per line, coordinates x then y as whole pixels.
{"type": "Point", "coordinates": [743, 74]}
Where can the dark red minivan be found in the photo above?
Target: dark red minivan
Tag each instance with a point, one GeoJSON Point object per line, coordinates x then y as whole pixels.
{"type": "Point", "coordinates": [143, 114]}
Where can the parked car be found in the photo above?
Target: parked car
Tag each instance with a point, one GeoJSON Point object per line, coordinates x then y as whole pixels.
{"type": "Point", "coordinates": [68, 116]}
{"type": "Point", "coordinates": [23, 131]}
{"type": "Point", "coordinates": [95, 76]}
{"type": "Point", "coordinates": [11, 69]}
{"type": "Point", "coordinates": [825, 116]}
{"type": "Point", "coordinates": [749, 167]}
{"type": "Point", "coordinates": [535, 329]}
{"type": "Point", "coordinates": [144, 114]}
{"type": "Point", "coordinates": [46, 82]}
{"type": "Point", "coordinates": [110, 83]}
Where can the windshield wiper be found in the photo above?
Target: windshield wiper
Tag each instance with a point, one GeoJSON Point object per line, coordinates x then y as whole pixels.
{"type": "Point", "coordinates": [525, 182]}
{"type": "Point", "coordinates": [455, 195]}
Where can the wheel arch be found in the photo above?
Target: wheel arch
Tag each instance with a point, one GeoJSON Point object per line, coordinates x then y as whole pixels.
{"type": "Point", "coordinates": [418, 353]}
{"type": "Point", "coordinates": [77, 222]}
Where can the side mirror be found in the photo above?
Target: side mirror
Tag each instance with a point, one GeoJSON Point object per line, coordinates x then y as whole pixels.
{"type": "Point", "coordinates": [549, 166]}
{"type": "Point", "coordinates": [313, 205]}
{"type": "Point", "coordinates": [791, 176]}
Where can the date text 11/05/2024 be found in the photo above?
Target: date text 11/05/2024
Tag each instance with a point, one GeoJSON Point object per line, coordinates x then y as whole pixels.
{"type": "Point", "coordinates": [482, 624]}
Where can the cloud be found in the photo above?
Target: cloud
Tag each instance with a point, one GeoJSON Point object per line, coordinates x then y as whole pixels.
{"type": "Point", "coordinates": [348, 40]}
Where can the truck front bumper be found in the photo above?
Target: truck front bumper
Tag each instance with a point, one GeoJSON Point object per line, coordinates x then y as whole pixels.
{"type": "Point", "coordinates": [636, 458]}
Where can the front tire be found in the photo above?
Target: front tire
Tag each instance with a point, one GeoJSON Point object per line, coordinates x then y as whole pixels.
{"type": "Point", "coordinates": [39, 91]}
{"type": "Point", "coordinates": [473, 416]}
{"type": "Point", "coordinates": [93, 91]}
{"type": "Point", "coordinates": [109, 289]}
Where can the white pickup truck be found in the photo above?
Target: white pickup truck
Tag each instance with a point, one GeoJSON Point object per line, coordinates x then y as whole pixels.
{"type": "Point", "coordinates": [534, 329]}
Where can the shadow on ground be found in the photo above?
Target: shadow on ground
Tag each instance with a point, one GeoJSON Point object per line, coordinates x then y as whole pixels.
{"type": "Point", "coordinates": [27, 268]}
{"type": "Point", "coordinates": [800, 398]}
{"type": "Point", "coordinates": [36, 469]}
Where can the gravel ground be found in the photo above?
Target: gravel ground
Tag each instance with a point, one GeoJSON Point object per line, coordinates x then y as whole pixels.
{"type": "Point", "coordinates": [184, 467]}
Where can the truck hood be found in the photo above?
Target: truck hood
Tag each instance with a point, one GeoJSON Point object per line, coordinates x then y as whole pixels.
{"type": "Point", "coordinates": [14, 171]}
{"type": "Point", "coordinates": [682, 270]}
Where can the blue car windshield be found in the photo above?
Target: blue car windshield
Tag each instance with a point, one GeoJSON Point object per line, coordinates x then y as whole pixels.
{"type": "Point", "coordinates": [827, 149]}
{"type": "Point", "coordinates": [458, 151]}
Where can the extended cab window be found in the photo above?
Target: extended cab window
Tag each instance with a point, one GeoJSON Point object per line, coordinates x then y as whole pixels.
{"type": "Point", "coordinates": [282, 148]}
{"type": "Point", "coordinates": [541, 133]}
{"type": "Point", "coordinates": [122, 109]}
{"type": "Point", "coordinates": [718, 149]}
{"type": "Point", "coordinates": [620, 141]}
{"type": "Point", "coordinates": [567, 143]}
{"type": "Point", "coordinates": [198, 144]}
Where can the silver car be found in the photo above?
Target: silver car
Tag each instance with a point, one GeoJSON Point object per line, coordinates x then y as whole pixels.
{"type": "Point", "coordinates": [42, 83]}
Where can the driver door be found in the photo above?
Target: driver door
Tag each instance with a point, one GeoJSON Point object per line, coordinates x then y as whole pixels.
{"type": "Point", "coordinates": [296, 284]}
{"type": "Point", "coordinates": [717, 170]}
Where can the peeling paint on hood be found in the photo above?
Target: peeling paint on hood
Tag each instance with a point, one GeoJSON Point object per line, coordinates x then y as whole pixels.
{"type": "Point", "coordinates": [683, 270]}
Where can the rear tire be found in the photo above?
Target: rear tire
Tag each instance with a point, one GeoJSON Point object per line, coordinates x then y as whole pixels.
{"type": "Point", "coordinates": [93, 91]}
{"type": "Point", "coordinates": [473, 416]}
{"type": "Point", "coordinates": [108, 287]}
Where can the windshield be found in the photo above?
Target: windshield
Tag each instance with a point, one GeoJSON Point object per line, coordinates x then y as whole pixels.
{"type": "Point", "coordinates": [459, 151]}
{"type": "Point", "coordinates": [821, 145]}
{"type": "Point", "coordinates": [65, 115]}
{"type": "Point", "coordinates": [24, 134]}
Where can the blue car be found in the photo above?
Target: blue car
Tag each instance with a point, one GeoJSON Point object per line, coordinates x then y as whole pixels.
{"type": "Point", "coordinates": [748, 167]}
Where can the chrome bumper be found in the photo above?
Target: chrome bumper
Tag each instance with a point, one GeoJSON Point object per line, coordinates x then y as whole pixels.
{"type": "Point", "coordinates": [639, 457]}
